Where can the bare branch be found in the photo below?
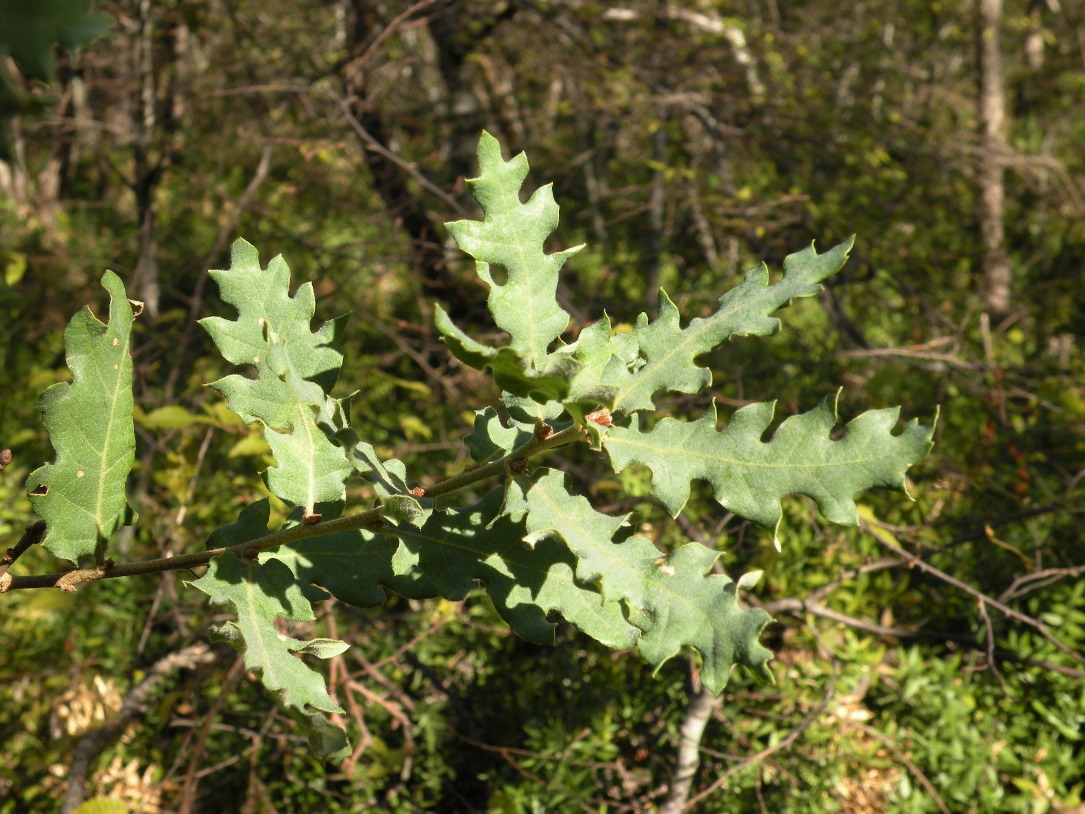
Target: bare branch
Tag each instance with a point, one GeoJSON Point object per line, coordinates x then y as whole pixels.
{"type": "Point", "coordinates": [701, 705]}
{"type": "Point", "coordinates": [32, 536]}
{"type": "Point", "coordinates": [797, 606]}
{"type": "Point", "coordinates": [917, 562]}
{"type": "Point", "coordinates": [71, 580]}
{"type": "Point", "coordinates": [93, 743]}
{"type": "Point", "coordinates": [786, 743]}
{"type": "Point", "coordinates": [411, 170]}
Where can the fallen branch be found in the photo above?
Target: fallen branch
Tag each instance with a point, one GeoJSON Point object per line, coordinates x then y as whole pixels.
{"type": "Point", "coordinates": [96, 741]}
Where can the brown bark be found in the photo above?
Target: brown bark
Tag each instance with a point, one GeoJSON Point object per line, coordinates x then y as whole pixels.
{"type": "Point", "coordinates": [989, 163]}
{"type": "Point", "coordinates": [405, 208]}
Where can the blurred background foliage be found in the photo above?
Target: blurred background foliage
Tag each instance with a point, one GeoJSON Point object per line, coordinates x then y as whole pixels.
{"type": "Point", "coordinates": [687, 141]}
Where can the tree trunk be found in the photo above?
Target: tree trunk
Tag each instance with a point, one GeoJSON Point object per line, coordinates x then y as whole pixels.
{"type": "Point", "coordinates": [989, 162]}
{"type": "Point", "coordinates": [653, 249]}
{"type": "Point", "coordinates": [145, 280]}
{"type": "Point", "coordinates": [702, 704]}
{"type": "Point", "coordinates": [404, 207]}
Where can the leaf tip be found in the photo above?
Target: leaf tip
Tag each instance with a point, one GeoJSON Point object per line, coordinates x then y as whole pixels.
{"type": "Point", "coordinates": [243, 253]}
{"type": "Point", "coordinates": [749, 580]}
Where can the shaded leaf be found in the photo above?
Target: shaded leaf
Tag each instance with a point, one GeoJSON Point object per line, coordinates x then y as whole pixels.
{"type": "Point", "coordinates": [31, 30]}
{"type": "Point", "coordinates": [353, 566]}
{"type": "Point", "coordinates": [492, 439]}
{"type": "Point", "coordinates": [325, 739]}
{"type": "Point", "coordinates": [389, 478]}
{"type": "Point", "coordinates": [458, 549]}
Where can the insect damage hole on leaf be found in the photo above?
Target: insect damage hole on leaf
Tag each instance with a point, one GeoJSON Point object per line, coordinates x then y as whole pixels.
{"type": "Point", "coordinates": [497, 273]}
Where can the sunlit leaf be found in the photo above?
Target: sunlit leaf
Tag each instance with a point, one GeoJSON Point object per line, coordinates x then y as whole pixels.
{"type": "Point", "coordinates": [750, 475]}
{"type": "Point", "coordinates": [81, 495]}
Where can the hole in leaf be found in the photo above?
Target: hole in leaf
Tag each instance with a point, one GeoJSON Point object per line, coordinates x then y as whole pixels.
{"type": "Point", "coordinates": [499, 274]}
{"type": "Point", "coordinates": [41, 490]}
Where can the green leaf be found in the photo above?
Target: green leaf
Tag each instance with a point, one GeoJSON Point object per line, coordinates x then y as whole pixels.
{"type": "Point", "coordinates": [260, 593]}
{"type": "Point", "coordinates": [295, 368]}
{"type": "Point", "coordinates": [669, 597]}
{"type": "Point", "coordinates": [389, 479]}
{"type": "Point", "coordinates": [353, 566]}
{"type": "Point", "coordinates": [623, 371]}
{"type": "Point", "coordinates": [249, 445]}
{"type": "Point", "coordinates": [458, 549]}
{"type": "Point", "coordinates": [31, 30]}
{"type": "Point", "coordinates": [692, 606]}
{"type": "Point", "coordinates": [505, 364]}
{"type": "Point", "coordinates": [309, 467]}
{"type": "Point", "coordinates": [325, 739]}
{"type": "Point", "coordinates": [323, 648]}
{"type": "Point", "coordinates": [751, 476]}
{"type": "Point", "coordinates": [509, 247]}
{"type": "Point", "coordinates": [103, 805]}
{"type": "Point", "coordinates": [268, 317]}
{"type": "Point", "coordinates": [170, 417]}
{"type": "Point", "coordinates": [81, 496]}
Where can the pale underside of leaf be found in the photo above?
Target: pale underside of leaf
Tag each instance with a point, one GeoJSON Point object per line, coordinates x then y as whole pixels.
{"type": "Point", "coordinates": [624, 371]}
{"type": "Point", "coordinates": [296, 368]}
{"type": "Point", "coordinates": [750, 476]}
{"type": "Point", "coordinates": [511, 237]}
{"type": "Point", "coordinates": [674, 599]}
{"type": "Point", "coordinates": [260, 593]}
{"type": "Point", "coordinates": [310, 469]}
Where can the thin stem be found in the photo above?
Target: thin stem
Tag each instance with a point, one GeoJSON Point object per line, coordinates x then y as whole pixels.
{"type": "Point", "coordinates": [504, 466]}
{"type": "Point", "coordinates": [915, 562]}
{"type": "Point", "coordinates": [371, 519]}
{"type": "Point", "coordinates": [32, 536]}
